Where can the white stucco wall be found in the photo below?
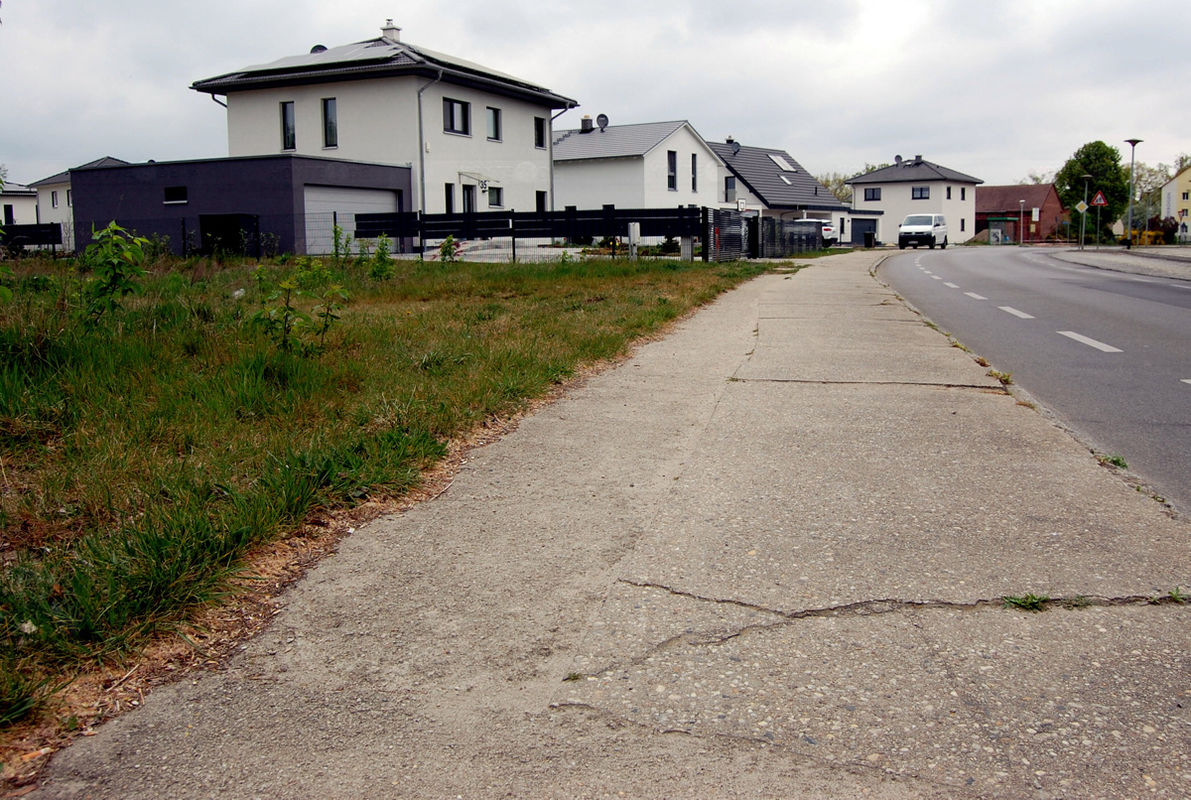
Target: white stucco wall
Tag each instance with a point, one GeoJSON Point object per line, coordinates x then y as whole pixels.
{"type": "Point", "coordinates": [594, 183]}
{"type": "Point", "coordinates": [63, 214]}
{"type": "Point", "coordinates": [378, 122]}
{"type": "Point", "coordinates": [897, 202]}
{"type": "Point", "coordinates": [24, 208]}
{"type": "Point", "coordinates": [684, 142]}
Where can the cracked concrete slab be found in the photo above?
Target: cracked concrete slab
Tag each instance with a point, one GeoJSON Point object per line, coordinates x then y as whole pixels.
{"type": "Point", "coordinates": [798, 509]}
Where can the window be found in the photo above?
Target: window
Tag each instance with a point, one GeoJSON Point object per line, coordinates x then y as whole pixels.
{"type": "Point", "coordinates": [730, 189]}
{"type": "Point", "coordinates": [9, 214]}
{"type": "Point", "coordinates": [496, 197]}
{"type": "Point", "coordinates": [919, 192]}
{"type": "Point", "coordinates": [69, 201]}
{"type": "Point", "coordinates": [963, 193]}
{"type": "Point", "coordinates": [330, 123]}
{"type": "Point", "coordinates": [873, 193]}
{"type": "Point", "coordinates": [786, 180]}
{"type": "Point", "coordinates": [539, 132]}
{"type": "Point", "coordinates": [540, 205]}
{"type": "Point", "coordinates": [456, 116]}
{"type": "Point", "coordinates": [175, 195]}
{"type": "Point", "coordinates": [54, 199]}
{"type": "Point", "coordinates": [962, 220]}
{"type": "Point", "coordinates": [449, 199]}
{"type": "Point", "coordinates": [694, 172]}
{"type": "Point", "coordinates": [672, 170]}
{"type": "Point", "coordinates": [1187, 195]}
{"type": "Point", "coordinates": [493, 124]}
{"type": "Point", "coordinates": [782, 163]}
{"type": "Point", "coordinates": [948, 192]}
{"type": "Point", "coordinates": [289, 139]}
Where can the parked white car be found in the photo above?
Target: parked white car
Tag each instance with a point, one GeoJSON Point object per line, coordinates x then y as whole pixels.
{"type": "Point", "coordinates": [829, 235]}
{"type": "Point", "coordinates": [927, 229]}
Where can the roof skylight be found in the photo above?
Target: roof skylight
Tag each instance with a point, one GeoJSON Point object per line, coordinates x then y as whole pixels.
{"type": "Point", "coordinates": [781, 162]}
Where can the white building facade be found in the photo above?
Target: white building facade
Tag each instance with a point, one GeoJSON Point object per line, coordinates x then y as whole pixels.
{"type": "Point", "coordinates": [647, 165]}
{"type": "Point", "coordinates": [475, 139]}
{"type": "Point", "coordinates": [917, 186]}
{"type": "Point", "coordinates": [1176, 204]}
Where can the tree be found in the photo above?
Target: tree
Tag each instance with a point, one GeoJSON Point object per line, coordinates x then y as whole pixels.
{"type": "Point", "coordinates": [1148, 181]}
{"type": "Point", "coordinates": [1103, 163]}
{"type": "Point", "coordinates": [834, 181]}
{"type": "Point", "coordinates": [1038, 178]}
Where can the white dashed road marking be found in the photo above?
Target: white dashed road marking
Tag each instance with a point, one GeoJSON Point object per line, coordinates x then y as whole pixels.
{"type": "Point", "coordinates": [975, 296]}
{"type": "Point", "coordinates": [1186, 380]}
{"type": "Point", "coordinates": [1015, 312]}
{"type": "Point", "coordinates": [951, 285]}
{"type": "Point", "coordinates": [1079, 337]}
{"type": "Point", "coordinates": [935, 278]}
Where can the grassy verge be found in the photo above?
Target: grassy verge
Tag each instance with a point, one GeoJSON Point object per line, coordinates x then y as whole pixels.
{"type": "Point", "coordinates": [143, 450]}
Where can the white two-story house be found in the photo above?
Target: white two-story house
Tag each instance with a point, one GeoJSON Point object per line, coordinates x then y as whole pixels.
{"type": "Point", "coordinates": [475, 139]}
{"type": "Point", "coordinates": [644, 165]}
{"type": "Point", "coordinates": [917, 186]}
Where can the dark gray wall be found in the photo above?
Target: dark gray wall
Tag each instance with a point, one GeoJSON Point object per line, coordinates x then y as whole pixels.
{"type": "Point", "coordinates": [269, 187]}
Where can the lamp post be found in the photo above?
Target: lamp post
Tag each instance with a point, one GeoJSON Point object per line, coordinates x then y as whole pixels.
{"type": "Point", "coordinates": [1021, 216]}
{"type": "Point", "coordinates": [1083, 221]}
{"type": "Point", "coordinates": [1132, 151]}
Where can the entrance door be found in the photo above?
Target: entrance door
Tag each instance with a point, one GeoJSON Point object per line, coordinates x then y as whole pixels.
{"type": "Point", "coordinates": [469, 199]}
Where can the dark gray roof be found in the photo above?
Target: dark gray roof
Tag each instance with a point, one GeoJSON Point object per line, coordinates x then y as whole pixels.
{"type": "Point", "coordinates": [377, 58]}
{"type": "Point", "coordinates": [916, 169]}
{"type": "Point", "coordinates": [776, 186]}
{"type": "Point", "coordinates": [615, 141]}
{"type": "Point", "coordinates": [63, 177]}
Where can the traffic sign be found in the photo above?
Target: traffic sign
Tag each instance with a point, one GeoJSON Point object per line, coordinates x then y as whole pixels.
{"type": "Point", "coordinates": [1081, 206]}
{"type": "Point", "coordinates": [1099, 199]}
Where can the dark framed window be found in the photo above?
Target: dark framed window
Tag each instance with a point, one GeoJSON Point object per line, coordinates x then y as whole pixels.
{"type": "Point", "coordinates": [919, 192]}
{"type": "Point", "coordinates": [730, 189]}
{"type": "Point", "coordinates": [540, 204]}
{"type": "Point", "coordinates": [948, 192]}
{"type": "Point", "coordinates": [962, 220]}
{"type": "Point", "coordinates": [496, 197]}
{"type": "Point", "coordinates": [330, 122]}
{"type": "Point", "coordinates": [289, 134]}
{"type": "Point", "coordinates": [449, 198]}
{"type": "Point", "coordinates": [456, 116]}
{"type": "Point", "coordinates": [694, 172]}
{"type": "Point", "coordinates": [493, 124]}
{"type": "Point", "coordinates": [469, 198]}
{"type": "Point", "coordinates": [9, 214]}
{"type": "Point", "coordinates": [539, 132]}
{"type": "Point", "coordinates": [963, 193]}
{"type": "Point", "coordinates": [672, 170]}
{"type": "Point", "coordinates": [54, 199]}
{"type": "Point", "coordinates": [175, 194]}
{"type": "Point", "coordinates": [872, 193]}
{"type": "Point", "coordinates": [69, 202]}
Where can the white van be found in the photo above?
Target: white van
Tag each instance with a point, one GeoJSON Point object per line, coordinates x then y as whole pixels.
{"type": "Point", "coordinates": [927, 229]}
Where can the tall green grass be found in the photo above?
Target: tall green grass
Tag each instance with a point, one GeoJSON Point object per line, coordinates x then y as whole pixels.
{"type": "Point", "coordinates": [144, 454]}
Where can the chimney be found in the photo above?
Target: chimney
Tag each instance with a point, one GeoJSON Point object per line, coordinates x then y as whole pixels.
{"type": "Point", "coordinates": [586, 125]}
{"type": "Point", "coordinates": [918, 159]}
{"type": "Point", "coordinates": [391, 31]}
{"type": "Point", "coordinates": [729, 140]}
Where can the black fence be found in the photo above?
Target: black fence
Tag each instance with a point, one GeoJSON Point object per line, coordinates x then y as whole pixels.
{"type": "Point", "coordinates": [15, 237]}
{"type": "Point", "coordinates": [782, 238]}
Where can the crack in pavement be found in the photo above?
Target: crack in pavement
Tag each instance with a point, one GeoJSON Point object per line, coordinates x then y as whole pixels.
{"type": "Point", "coordinates": [857, 608]}
{"type": "Point", "coordinates": [821, 382]}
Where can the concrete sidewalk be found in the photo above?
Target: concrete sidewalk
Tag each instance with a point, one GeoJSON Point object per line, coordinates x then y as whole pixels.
{"type": "Point", "coordinates": [1159, 262]}
{"type": "Point", "coordinates": [764, 557]}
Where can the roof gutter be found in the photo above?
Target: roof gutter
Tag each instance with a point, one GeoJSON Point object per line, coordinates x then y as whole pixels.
{"type": "Point", "coordinates": [422, 149]}
{"type": "Point", "coordinates": [550, 147]}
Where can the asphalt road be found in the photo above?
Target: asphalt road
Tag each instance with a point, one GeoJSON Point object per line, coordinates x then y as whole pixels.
{"type": "Point", "coordinates": [1108, 352]}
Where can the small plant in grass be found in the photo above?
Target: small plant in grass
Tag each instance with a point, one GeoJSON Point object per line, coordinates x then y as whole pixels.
{"type": "Point", "coordinates": [282, 320]}
{"type": "Point", "coordinates": [448, 251]}
{"type": "Point", "coordinates": [327, 311]}
{"type": "Point", "coordinates": [1112, 461]}
{"type": "Point", "coordinates": [5, 292]}
{"type": "Point", "coordinates": [1006, 378]}
{"type": "Point", "coordinates": [1026, 602]}
{"type": "Point", "coordinates": [381, 264]}
{"type": "Point", "coordinates": [341, 245]}
{"type": "Point", "coordinates": [116, 259]}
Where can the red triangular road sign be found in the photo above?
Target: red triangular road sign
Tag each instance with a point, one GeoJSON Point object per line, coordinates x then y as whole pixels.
{"type": "Point", "coordinates": [1099, 199]}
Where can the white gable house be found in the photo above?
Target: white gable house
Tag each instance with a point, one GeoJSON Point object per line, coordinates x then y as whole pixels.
{"type": "Point", "coordinates": [917, 186]}
{"type": "Point", "coordinates": [476, 139]}
{"type": "Point", "coordinates": [647, 165]}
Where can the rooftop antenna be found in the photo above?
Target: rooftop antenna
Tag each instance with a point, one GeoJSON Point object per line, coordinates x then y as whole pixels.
{"type": "Point", "coordinates": [602, 121]}
{"type": "Point", "coordinates": [735, 146]}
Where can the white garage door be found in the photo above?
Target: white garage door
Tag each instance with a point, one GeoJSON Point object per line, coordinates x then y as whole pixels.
{"type": "Point", "coordinates": [327, 204]}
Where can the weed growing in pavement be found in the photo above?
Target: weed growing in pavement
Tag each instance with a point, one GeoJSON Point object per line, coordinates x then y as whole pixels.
{"type": "Point", "coordinates": [1026, 602]}
{"type": "Point", "coordinates": [1079, 601]}
{"type": "Point", "coordinates": [1006, 378]}
{"type": "Point", "coordinates": [1112, 461]}
{"type": "Point", "coordinates": [1178, 595]}
{"type": "Point", "coordinates": [982, 361]}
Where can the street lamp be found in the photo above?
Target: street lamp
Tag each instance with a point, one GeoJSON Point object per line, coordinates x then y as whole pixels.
{"type": "Point", "coordinates": [1083, 222]}
{"type": "Point", "coordinates": [1132, 150]}
{"type": "Point", "coordinates": [1021, 216]}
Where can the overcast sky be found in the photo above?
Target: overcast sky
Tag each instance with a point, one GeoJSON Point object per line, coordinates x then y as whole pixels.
{"type": "Point", "coordinates": [996, 90]}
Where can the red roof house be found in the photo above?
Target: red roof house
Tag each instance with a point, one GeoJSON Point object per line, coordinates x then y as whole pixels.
{"type": "Point", "coordinates": [1035, 207]}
